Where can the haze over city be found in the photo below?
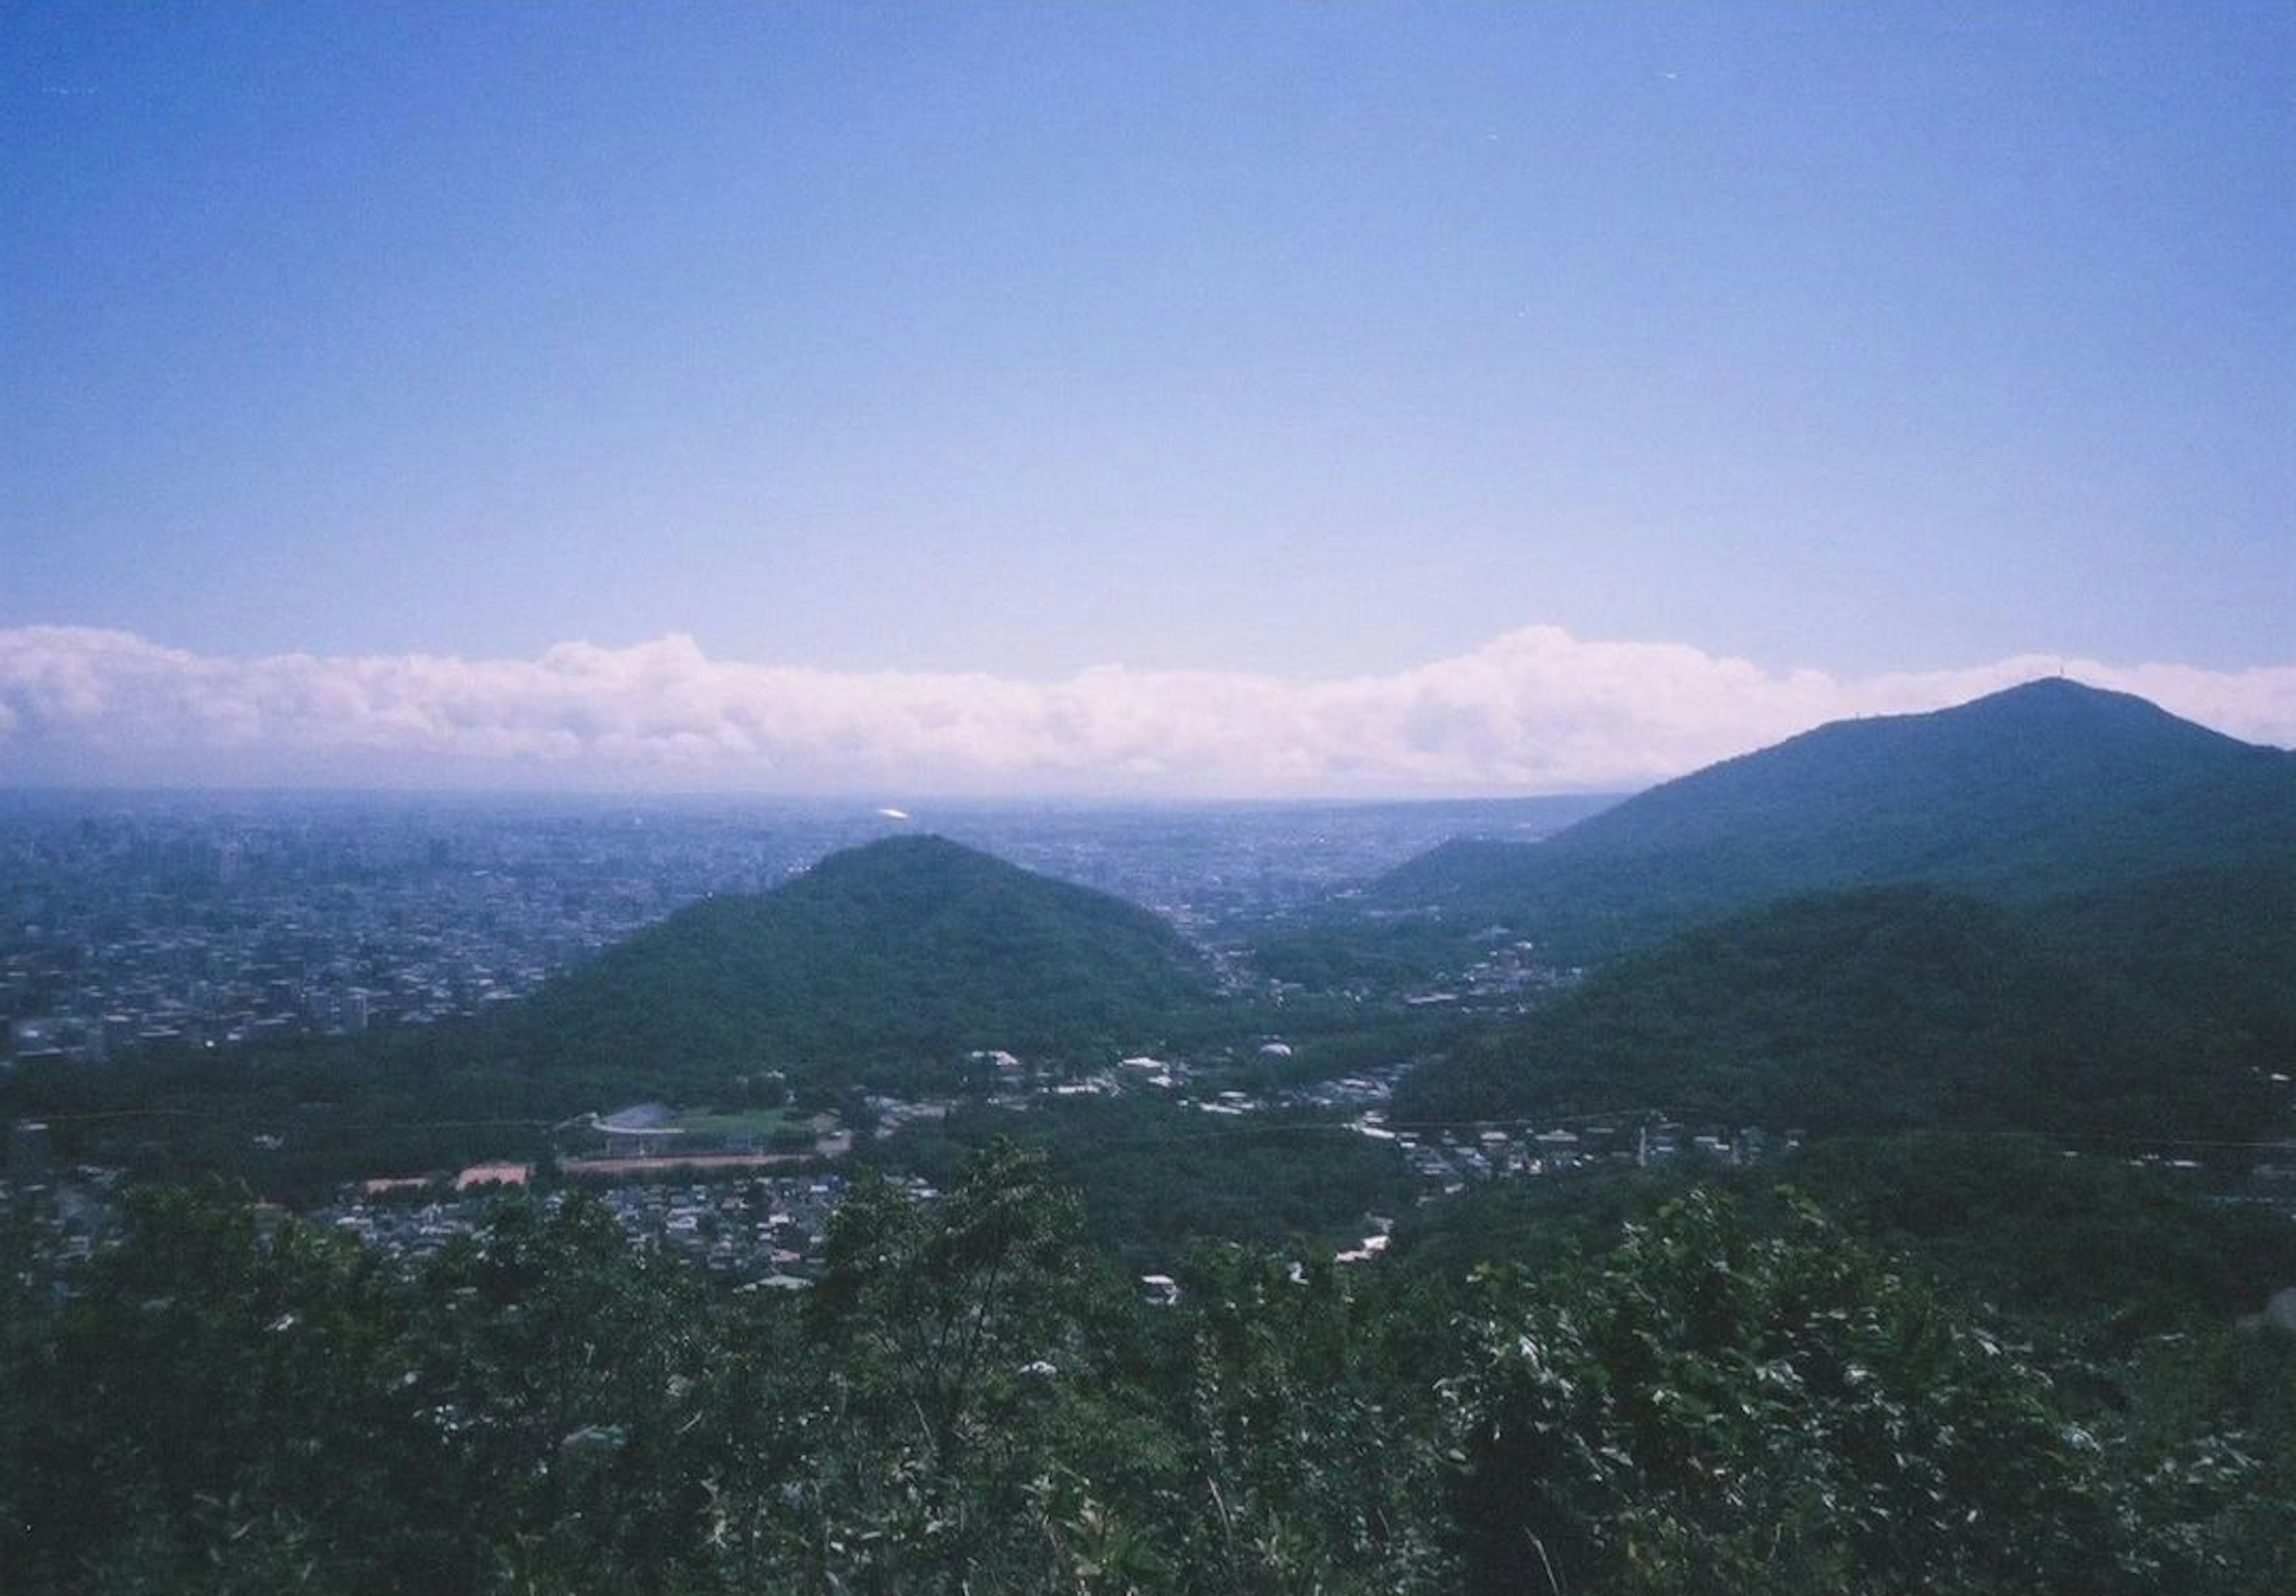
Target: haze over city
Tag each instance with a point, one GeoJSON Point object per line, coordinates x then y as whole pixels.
{"type": "Point", "coordinates": [1141, 400]}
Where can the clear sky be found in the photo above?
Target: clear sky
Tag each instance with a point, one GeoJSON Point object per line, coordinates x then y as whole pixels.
{"type": "Point", "coordinates": [1127, 396]}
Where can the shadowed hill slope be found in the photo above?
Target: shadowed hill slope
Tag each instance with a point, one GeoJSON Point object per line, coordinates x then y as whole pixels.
{"type": "Point", "coordinates": [1879, 1010]}
{"type": "Point", "coordinates": [905, 952]}
{"type": "Point", "coordinates": [2042, 790]}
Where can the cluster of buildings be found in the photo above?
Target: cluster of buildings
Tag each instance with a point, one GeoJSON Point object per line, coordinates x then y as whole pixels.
{"type": "Point", "coordinates": [206, 921]}
{"type": "Point", "coordinates": [757, 1226]}
{"type": "Point", "coordinates": [1505, 970]}
{"type": "Point", "coordinates": [767, 1231]}
{"type": "Point", "coordinates": [1448, 1158]}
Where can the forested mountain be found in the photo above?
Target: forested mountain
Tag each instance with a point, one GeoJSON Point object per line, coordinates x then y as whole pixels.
{"type": "Point", "coordinates": [1885, 1009]}
{"type": "Point", "coordinates": [2045, 790]}
{"type": "Point", "coordinates": [2216, 946]}
{"type": "Point", "coordinates": [909, 951]}
{"type": "Point", "coordinates": [2054, 908]}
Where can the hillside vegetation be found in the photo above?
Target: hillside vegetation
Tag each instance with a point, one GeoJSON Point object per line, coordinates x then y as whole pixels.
{"type": "Point", "coordinates": [1701, 1399]}
{"type": "Point", "coordinates": [2054, 909]}
{"type": "Point", "coordinates": [1892, 1008]}
{"type": "Point", "coordinates": [2043, 790]}
{"type": "Point", "coordinates": [896, 958]}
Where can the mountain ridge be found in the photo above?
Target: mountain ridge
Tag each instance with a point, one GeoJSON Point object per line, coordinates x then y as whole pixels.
{"type": "Point", "coordinates": [2045, 789]}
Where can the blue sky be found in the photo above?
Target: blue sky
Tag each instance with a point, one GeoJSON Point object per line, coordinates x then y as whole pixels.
{"type": "Point", "coordinates": [1226, 353]}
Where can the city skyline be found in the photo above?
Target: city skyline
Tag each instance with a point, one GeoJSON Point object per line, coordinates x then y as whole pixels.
{"type": "Point", "coordinates": [1261, 400]}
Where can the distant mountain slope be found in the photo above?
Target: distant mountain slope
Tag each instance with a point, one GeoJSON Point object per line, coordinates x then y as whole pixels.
{"type": "Point", "coordinates": [1877, 1010]}
{"type": "Point", "coordinates": [2211, 951]}
{"type": "Point", "coordinates": [908, 951]}
{"type": "Point", "coordinates": [2047, 789]}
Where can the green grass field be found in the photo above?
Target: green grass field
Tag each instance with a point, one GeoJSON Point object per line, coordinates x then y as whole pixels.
{"type": "Point", "coordinates": [751, 1125]}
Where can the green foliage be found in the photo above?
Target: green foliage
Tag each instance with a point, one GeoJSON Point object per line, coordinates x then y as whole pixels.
{"type": "Point", "coordinates": [1709, 1399]}
{"type": "Point", "coordinates": [2085, 1245]}
{"type": "Point", "coordinates": [1891, 1008]}
{"type": "Point", "coordinates": [932, 1311]}
{"type": "Point", "coordinates": [207, 1387]}
{"type": "Point", "coordinates": [887, 963]}
{"type": "Point", "coordinates": [1534, 1226]}
{"type": "Point", "coordinates": [1154, 1178]}
{"type": "Point", "coordinates": [228, 1410]}
{"type": "Point", "coordinates": [27, 1265]}
{"type": "Point", "coordinates": [1312, 1431]}
{"type": "Point", "coordinates": [1703, 1409]}
{"type": "Point", "coordinates": [560, 1382]}
{"type": "Point", "coordinates": [942, 1340]}
{"type": "Point", "coordinates": [1332, 954]}
{"type": "Point", "coordinates": [2205, 1434]}
{"type": "Point", "coordinates": [2209, 956]}
{"type": "Point", "coordinates": [290, 1122]}
{"type": "Point", "coordinates": [2084, 1251]}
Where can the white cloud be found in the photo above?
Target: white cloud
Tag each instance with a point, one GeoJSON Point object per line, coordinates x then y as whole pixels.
{"type": "Point", "coordinates": [1534, 710]}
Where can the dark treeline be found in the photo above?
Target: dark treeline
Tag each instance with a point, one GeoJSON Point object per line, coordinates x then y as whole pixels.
{"type": "Point", "coordinates": [1701, 1392]}
{"type": "Point", "coordinates": [1904, 1008]}
{"type": "Point", "coordinates": [1153, 1178]}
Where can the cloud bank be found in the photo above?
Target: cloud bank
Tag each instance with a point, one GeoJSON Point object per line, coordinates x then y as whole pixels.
{"type": "Point", "coordinates": [1536, 710]}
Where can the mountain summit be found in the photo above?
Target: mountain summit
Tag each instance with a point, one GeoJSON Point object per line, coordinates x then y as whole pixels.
{"type": "Point", "coordinates": [2052, 909]}
{"type": "Point", "coordinates": [2043, 790]}
{"type": "Point", "coordinates": [896, 957]}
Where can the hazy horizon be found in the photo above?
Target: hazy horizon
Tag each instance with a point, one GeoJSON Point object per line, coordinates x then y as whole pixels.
{"type": "Point", "coordinates": [1536, 713]}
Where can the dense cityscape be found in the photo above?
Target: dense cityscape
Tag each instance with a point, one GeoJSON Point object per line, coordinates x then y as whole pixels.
{"type": "Point", "coordinates": [215, 920]}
